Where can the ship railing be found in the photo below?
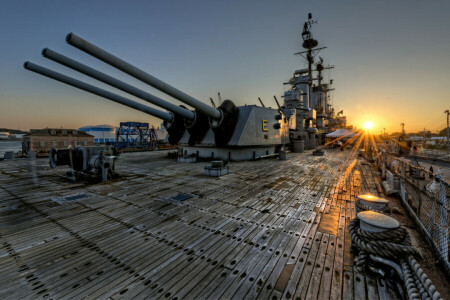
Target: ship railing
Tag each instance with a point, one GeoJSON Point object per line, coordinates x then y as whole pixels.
{"type": "Point", "coordinates": [425, 196]}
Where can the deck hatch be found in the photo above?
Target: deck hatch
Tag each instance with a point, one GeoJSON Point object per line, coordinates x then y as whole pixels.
{"type": "Point", "coordinates": [181, 197]}
{"type": "Point", "coordinates": [69, 198]}
{"type": "Point", "coordinates": [178, 198]}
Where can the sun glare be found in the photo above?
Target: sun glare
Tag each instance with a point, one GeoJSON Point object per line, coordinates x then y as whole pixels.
{"type": "Point", "coordinates": [368, 125]}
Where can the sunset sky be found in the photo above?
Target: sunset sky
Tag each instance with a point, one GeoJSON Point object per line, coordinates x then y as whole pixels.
{"type": "Point", "coordinates": [391, 58]}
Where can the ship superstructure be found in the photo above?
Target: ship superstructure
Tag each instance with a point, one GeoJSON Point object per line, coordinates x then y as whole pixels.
{"type": "Point", "coordinates": [309, 95]}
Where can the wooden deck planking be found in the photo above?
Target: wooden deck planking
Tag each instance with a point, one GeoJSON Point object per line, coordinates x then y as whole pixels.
{"type": "Point", "coordinates": [250, 234]}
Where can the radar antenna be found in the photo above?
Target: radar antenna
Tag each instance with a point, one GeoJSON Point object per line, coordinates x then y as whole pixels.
{"type": "Point", "coordinates": [310, 44]}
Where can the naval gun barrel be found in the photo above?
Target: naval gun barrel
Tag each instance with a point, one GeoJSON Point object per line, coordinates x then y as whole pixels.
{"type": "Point", "coordinates": [137, 73]}
{"type": "Point", "coordinates": [98, 91]}
{"type": "Point", "coordinates": [68, 62]}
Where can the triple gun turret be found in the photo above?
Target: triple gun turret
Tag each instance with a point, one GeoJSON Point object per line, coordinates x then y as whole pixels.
{"type": "Point", "coordinates": [257, 129]}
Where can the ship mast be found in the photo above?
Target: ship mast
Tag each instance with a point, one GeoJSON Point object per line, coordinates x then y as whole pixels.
{"type": "Point", "coordinates": [310, 44]}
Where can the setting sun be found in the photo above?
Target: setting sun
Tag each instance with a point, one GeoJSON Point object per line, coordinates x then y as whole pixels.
{"type": "Point", "coordinates": [368, 125]}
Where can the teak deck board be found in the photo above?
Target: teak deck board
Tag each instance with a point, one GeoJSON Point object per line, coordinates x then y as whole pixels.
{"type": "Point", "coordinates": [269, 230]}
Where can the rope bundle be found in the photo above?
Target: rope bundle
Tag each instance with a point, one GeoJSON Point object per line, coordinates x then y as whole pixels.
{"type": "Point", "coordinates": [418, 286]}
{"type": "Point", "coordinates": [362, 207]}
{"type": "Point", "coordinates": [374, 242]}
{"type": "Point", "coordinates": [391, 244]}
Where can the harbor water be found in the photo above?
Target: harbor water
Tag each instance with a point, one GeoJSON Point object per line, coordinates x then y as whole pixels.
{"type": "Point", "coordinates": [6, 146]}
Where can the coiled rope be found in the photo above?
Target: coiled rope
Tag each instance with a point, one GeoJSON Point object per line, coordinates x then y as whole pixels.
{"type": "Point", "coordinates": [374, 242]}
{"type": "Point", "coordinates": [362, 207]}
{"type": "Point", "coordinates": [393, 244]}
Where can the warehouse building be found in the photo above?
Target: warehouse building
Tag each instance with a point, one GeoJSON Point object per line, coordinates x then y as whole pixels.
{"type": "Point", "coordinates": [42, 140]}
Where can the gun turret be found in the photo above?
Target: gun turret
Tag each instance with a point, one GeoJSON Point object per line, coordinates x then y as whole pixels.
{"type": "Point", "coordinates": [222, 119]}
{"type": "Point", "coordinates": [137, 73]}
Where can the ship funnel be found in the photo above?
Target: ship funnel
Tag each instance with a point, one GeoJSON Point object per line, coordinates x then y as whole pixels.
{"type": "Point", "coordinates": [137, 73]}
{"type": "Point", "coordinates": [68, 62]}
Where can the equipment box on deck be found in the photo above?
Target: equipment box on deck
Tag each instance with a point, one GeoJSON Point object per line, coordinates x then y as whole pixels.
{"type": "Point", "coordinates": [215, 172]}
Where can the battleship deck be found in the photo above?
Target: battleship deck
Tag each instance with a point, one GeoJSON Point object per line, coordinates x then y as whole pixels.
{"type": "Point", "coordinates": [270, 229]}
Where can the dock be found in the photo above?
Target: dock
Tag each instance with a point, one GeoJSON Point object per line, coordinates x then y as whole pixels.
{"type": "Point", "coordinates": [270, 229]}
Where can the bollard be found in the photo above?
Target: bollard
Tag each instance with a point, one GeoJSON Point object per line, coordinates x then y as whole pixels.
{"type": "Point", "coordinates": [373, 202]}
{"type": "Point", "coordinates": [375, 222]}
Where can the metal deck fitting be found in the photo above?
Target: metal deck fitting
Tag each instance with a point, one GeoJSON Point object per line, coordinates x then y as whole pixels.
{"type": "Point", "coordinates": [376, 222]}
{"type": "Point", "coordinates": [374, 202]}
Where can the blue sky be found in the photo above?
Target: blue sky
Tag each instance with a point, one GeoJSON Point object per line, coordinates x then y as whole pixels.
{"type": "Point", "coordinates": [392, 58]}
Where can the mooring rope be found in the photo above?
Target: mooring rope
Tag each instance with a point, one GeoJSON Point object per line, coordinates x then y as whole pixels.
{"type": "Point", "coordinates": [393, 244]}
{"type": "Point", "coordinates": [362, 207]}
{"type": "Point", "coordinates": [374, 242]}
{"type": "Point", "coordinates": [422, 281]}
{"type": "Point", "coordinates": [395, 235]}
